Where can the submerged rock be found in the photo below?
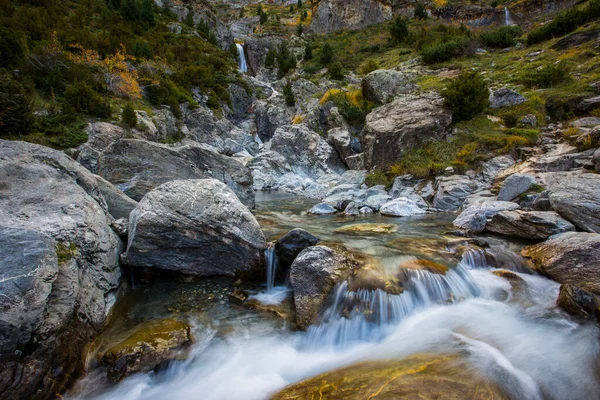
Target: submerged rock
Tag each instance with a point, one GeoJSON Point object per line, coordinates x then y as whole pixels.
{"type": "Point", "coordinates": [579, 302]}
{"type": "Point", "coordinates": [571, 257]}
{"type": "Point", "coordinates": [322, 209]}
{"type": "Point", "coordinates": [312, 277]}
{"type": "Point", "coordinates": [532, 225]}
{"type": "Point", "coordinates": [367, 229]}
{"type": "Point", "coordinates": [426, 376]}
{"type": "Point", "coordinates": [147, 346]}
{"type": "Point", "coordinates": [196, 227]}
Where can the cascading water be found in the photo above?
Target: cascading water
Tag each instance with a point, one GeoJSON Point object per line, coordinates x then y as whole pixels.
{"type": "Point", "coordinates": [273, 294]}
{"type": "Point", "coordinates": [242, 58]}
{"type": "Point", "coordinates": [507, 18]}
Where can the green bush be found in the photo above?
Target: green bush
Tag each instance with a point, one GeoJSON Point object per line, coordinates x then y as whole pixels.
{"type": "Point", "coordinates": [16, 114]}
{"type": "Point", "coordinates": [467, 96]}
{"type": "Point", "coordinates": [128, 116]}
{"type": "Point", "coordinates": [378, 177]}
{"type": "Point", "coordinates": [441, 50]}
{"type": "Point", "coordinates": [421, 11]}
{"type": "Point", "coordinates": [548, 76]}
{"type": "Point", "coordinates": [399, 30]}
{"type": "Point", "coordinates": [80, 97]}
{"type": "Point", "coordinates": [308, 52]}
{"type": "Point", "coordinates": [285, 60]}
{"type": "Point", "coordinates": [336, 71]}
{"type": "Point", "coordinates": [368, 67]}
{"type": "Point", "coordinates": [288, 94]}
{"type": "Point", "coordinates": [270, 58]}
{"type": "Point", "coordinates": [353, 113]}
{"type": "Point", "coordinates": [326, 56]}
{"type": "Point", "coordinates": [565, 22]}
{"type": "Point", "coordinates": [502, 37]}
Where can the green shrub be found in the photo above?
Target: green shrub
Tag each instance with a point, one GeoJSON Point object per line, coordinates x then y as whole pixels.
{"type": "Point", "coordinates": [80, 97]}
{"type": "Point", "coordinates": [399, 30]}
{"type": "Point", "coordinates": [16, 114]}
{"type": "Point", "coordinates": [288, 94]}
{"type": "Point", "coordinates": [141, 50]}
{"type": "Point", "coordinates": [502, 37]}
{"type": "Point", "coordinates": [565, 22]}
{"type": "Point", "coordinates": [421, 11]}
{"type": "Point", "coordinates": [336, 71]}
{"type": "Point", "coordinates": [368, 67]}
{"type": "Point", "coordinates": [355, 113]}
{"type": "Point", "coordinates": [378, 177]}
{"type": "Point", "coordinates": [263, 18]}
{"type": "Point", "coordinates": [548, 76]}
{"type": "Point", "coordinates": [467, 96]}
{"type": "Point", "coordinates": [441, 50]}
{"type": "Point", "coordinates": [326, 56]}
{"type": "Point", "coordinates": [270, 58]}
{"type": "Point", "coordinates": [308, 52]}
{"type": "Point", "coordinates": [128, 116]}
{"type": "Point", "coordinates": [285, 60]}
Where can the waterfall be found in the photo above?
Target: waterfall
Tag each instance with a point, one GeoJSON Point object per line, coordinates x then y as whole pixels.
{"type": "Point", "coordinates": [365, 315]}
{"type": "Point", "coordinates": [271, 267]}
{"type": "Point", "coordinates": [242, 58]}
{"type": "Point", "coordinates": [507, 18]}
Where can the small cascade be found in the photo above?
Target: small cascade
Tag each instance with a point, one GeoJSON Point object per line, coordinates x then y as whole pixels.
{"type": "Point", "coordinates": [271, 267]}
{"type": "Point", "coordinates": [494, 258]}
{"type": "Point", "coordinates": [475, 258]}
{"type": "Point", "coordinates": [242, 58]}
{"type": "Point", "coordinates": [507, 18]}
{"type": "Point", "coordinates": [365, 315]}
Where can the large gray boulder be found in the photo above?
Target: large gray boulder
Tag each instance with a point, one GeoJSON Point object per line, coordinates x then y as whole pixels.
{"type": "Point", "coordinates": [138, 166]}
{"type": "Point", "coordinates": [291, 244]}
{"type": "Point", "coordinates": [59, 260]}
{"type": "Point", "coordinates": [572, 257]}
{"type": "Point", "coordinates": [514, 186]}
{"type": "Point", "coordinates": [401, 207]}
{"type": "Point", "coordinates": [451, 191]}
{"type": "Point", "coordinates": [474, 217]}
{"type": "Point", "coordinates": [383, 85]}
{"type": "Point", "coordinates": [341, 140]}
{"type": "Point", "coordinates": [336, 15]}
{"type": "Point", "coordinates": [578, 200]}
{"type": "Point", "coordinates": [402, 125]}
{"type": "Point", "coordinates": [531, 225]}
{"type": "Point", "coordinates": [312, 277]}
{"type": "Point", "coordinates": [196, 227]}
{"type": "Point", "coordinates": [505, 97]}
{"type": "Point", "coordinates": [268, 118]}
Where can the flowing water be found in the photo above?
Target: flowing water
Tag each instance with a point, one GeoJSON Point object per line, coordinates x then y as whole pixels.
{"type": "Point", "coordinates": [242, 58]}
{"type": "Point", "coordinates": [509, 332]}
{"type": "Point", "coordinates": [507, 18]}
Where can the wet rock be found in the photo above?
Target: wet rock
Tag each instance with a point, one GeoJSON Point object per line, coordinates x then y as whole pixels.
{"type": "Point", "coordinates": [322, 209]}
{"type": "Point", "coordinates": [514, 186]}
{"type": "Point", "coordinates": [147, 346]}
{"type": "Point", "coordinates": [426, 376]}
{"type": "Point", "coordinates": [336, 15]}
{"type": "Point", "coordinates": [474, 217]}
{"type": "Point", "coordinates": [578, 200]}
{"type": "Point", "coordinates": [59, 260]}
{"type": "Point", "coordinates": [572, 257]}
{"type": "Point", "coordinates": [401, 207]}
{"type": "Point", "coordinates": [452, 191]}
{"type": "Point", "coordinates": [197, 227]}
{"type": "Point", "coordinates": [383, 85]}
{"type": "Point", "coordinates": [138, 166]}
{"type": "Point", "coordinates": [396, 128]}
{"type": "Point", "coordinates": [367, 229]}
{"type": "Point", "coordinates": [532, 225]}
{"type": "Point", "coordinates": [505, 98]}
{"type": "Point", "coordinates": [579, 302]}
{"type": "Point", "coordinates": [312, 277]}
{"type": "Point", "coordinates": [291, 244]}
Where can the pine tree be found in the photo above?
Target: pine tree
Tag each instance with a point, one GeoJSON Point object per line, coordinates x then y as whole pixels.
{"type": "Point", "coordinates": [290, 100]}
{"type": "Point", "coordinates": [129, 10]}
{"type": "Point", "coordinates": [128, 116]}
{"type": "Point", "coordinates": [299, 30]}
{"type": "Point", "coordinates": [263, 18]}
{"type": "Point", "coordinates": [147, 13]}
{"type": "Point", "coordinates": [308, 51]}
{"type": "Point", "coordinates": [336, 72]}
{"type": "Point", "coordinates": [326, 54]}
{"type": "Point", "coordinates": [421, 11]}
{"type": "Point", "coordinates": [399, 30]}
{"type": "Point", "coordinates": [189, 19]}
{"type": "Point", "coordinates": [242, 11]}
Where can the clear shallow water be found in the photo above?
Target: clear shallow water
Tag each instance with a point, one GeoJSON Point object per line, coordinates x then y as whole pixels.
{"type": "Point", "coordinates": [510, 333]}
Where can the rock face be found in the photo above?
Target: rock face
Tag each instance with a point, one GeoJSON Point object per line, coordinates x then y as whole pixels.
{"type": "Point", "coordinates": [578, 200]}
{"type": "Point", "coordinates": [335, 15]}
{"type": "Point", "coordinates": [571, 257]}
{"type": "Point", "coordinates": [138, 166]}
{"type": "Point", "coordinates": [312, 277]}
{"type": "Point", "coordinates": [505, 98]}
{"type": "Point", "coordinates": [532, 225]}
{"type": "Point", "coordinates": [196, 227]}
{"type": "Point", "coordinates": [291, 244]}
{"type": "Point", "coordinates": [398, 127]}
{"type": "Point", "coordinates": [147, 346]}
{"type": "Point", "coordinates": [383, 85]}
{"type": "Point", "coordinates": [514, 186]}
{"type": "Point", "coordinates": [59, 262]}
{"type": "Point", "coordinates": [416, 377]}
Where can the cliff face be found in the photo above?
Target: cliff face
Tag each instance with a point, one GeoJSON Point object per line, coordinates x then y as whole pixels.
{"type": "Point", "coordinates": [335, 15]}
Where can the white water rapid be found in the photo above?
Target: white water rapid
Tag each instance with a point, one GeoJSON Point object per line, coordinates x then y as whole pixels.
{"type": "Point", "coordinates": [516, 338]}
{"type": "Point", "coordinates": [241, 58]}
